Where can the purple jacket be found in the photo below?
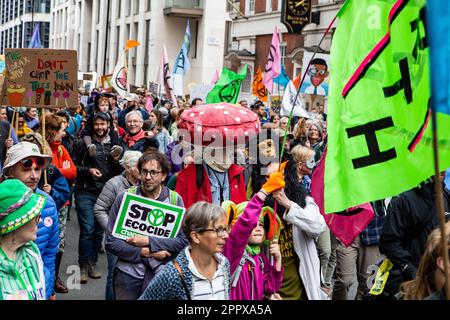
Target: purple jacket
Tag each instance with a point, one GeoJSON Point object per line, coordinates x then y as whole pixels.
{"type": "Point", "coordinates": [264, 282]}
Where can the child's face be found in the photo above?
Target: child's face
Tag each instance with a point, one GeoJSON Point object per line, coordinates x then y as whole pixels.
{"type": "Point", "coordinates": [103, 107]}
{"type": "Point", "coordinates": [258, 234]}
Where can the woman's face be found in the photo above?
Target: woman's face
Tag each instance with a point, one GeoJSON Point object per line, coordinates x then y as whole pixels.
{"type": "Point", "coordinates": [284, 124]}
{"type": "Point", "coordinates": [209, 241]}
{"type": "Point", "coordinates": [28, 231]}
{"type": "Point", "coordinates": [314, 133]}
{"type": "Point", "coordinates": [21, 123]}
{"type": "Point", "coordinates": [60, 135]}
{"type": "Point", "coordinates": [152, 117]}
{"type": "Point", "coordinates": [276, 121]}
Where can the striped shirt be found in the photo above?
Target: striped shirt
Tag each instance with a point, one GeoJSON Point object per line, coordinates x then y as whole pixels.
{"type": "Point", "coordinates": [203, 289]}
{"type": "Point", "coordinates": [23, 278]}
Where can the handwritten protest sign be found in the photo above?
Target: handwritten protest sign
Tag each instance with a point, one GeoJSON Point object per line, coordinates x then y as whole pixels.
{"type": "Point", "coordinates": [40, 78]}
{"type": "Point", "coordinates": [146, 217]}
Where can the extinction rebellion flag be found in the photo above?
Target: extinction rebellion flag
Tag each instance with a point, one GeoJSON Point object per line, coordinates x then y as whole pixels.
{"type": "Point", "coordinates": [380, 138]}
{"type": "Point", "coordinates": [227, 87]}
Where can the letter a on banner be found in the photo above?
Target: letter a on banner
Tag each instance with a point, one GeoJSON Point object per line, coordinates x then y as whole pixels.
{"type": "Point", "coordinates": [380, 141]}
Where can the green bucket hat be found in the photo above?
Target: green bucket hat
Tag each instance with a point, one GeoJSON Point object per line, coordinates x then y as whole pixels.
{"type": "Point", "coordinates": [18, 205]}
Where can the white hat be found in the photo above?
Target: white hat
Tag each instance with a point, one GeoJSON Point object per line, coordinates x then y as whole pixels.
{"type": "Point", "coordinates": [133, 97]}
{"type": "Point", "coordinates": [21, 151]}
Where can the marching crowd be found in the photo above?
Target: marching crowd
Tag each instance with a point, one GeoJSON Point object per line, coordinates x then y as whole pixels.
{"type": "Point", "coordinates": [251, 230]}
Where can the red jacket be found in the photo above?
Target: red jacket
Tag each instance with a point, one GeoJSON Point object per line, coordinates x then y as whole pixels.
{"type": "Point", "coordinates": [187, 185]}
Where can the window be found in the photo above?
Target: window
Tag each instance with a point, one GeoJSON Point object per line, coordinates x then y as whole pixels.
{"type": "Point", "coordinates": [249, 7]}
{"type": "Point", "coordinates": [268, 5]}
{"type": "Point", "coordinates": [247, 83]}
{"type": "Point", "coordinates": [149, 5]}
{"type": "Point", "coordinates": [283, 52]}
{"type": "Point", "coordinates": [119, 8]}
{"type": "Point", "coordinates": [128, 5]}
{"type": "Point", "coordinates": [136, 7]}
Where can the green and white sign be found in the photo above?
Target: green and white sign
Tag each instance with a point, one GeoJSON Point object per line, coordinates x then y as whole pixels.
{"type": "Point", "coordinates": [146, 217]}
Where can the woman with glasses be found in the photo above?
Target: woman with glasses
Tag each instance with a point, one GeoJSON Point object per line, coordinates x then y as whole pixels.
{"type": "Point", "coordinates": [200, 271]}
{"type": "Point", "coordinates": [21, 268]}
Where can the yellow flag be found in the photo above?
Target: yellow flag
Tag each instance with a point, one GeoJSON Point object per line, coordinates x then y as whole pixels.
{"type": "Point", "coordinates": [131, 44]}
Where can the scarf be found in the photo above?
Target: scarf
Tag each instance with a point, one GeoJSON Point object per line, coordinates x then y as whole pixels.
{"type": "Point", "coordinates": [131, 140]}
{"type": "Point", "coordinates": [253, 249]}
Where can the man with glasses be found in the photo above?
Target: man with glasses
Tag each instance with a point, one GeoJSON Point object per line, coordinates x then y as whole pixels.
{"type": "Point", "coordinates": [25, 162]}
{"type": "Point", "coordinates": [93, 171]}
{"type": "Point", "coordinates": [317, 72]}
{"type": "Point", "coordinates": [140, 258]}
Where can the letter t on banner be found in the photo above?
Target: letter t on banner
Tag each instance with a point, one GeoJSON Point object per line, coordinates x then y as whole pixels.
{"type": "Point", "coordinates": [273, 66]}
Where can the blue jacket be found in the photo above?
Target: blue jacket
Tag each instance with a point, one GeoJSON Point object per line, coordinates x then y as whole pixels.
{"type": "Point", "coordinates": [60, 188]}
{"type": "Point", "coordinates": [48, 240]}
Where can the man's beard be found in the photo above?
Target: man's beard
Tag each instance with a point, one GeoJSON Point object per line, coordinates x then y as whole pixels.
{"type": "Point", "coordinates": [105, 132]}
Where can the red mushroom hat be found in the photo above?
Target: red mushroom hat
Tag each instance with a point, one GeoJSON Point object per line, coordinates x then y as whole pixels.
{"type": "Point", "coordinates": [207, 123]}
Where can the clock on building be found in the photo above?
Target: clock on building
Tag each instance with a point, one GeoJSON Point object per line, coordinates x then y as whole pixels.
{"type": "Point", "coordinates": [299, 7]}
{"type": "Point", "coordinates": [295, 14]}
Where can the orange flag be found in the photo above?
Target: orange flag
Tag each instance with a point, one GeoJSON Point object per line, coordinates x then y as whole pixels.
{"type": "Point", "coordinates": [296, 82]}
{"type": "Point", "coordinates": [258, 87]}
{"type": "Point", "coordinates": [131, 44]}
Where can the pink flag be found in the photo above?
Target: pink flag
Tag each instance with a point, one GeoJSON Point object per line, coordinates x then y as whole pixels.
{"type": "Point", "coordinates": [148, 103]}
{"type": "Point", "coordinates": [165, 77]}
{"type": "Point", "coordinates": [215, 78]}
{"type": "Point", "coordinates": [273, 66]}
{"type": "Point", "coordinates": [345, 225]}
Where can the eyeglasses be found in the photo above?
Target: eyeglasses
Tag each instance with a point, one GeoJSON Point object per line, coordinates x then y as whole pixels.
{"type": "Point", "coordinates": [153, 173]}
{"type": "Point", "coordinates": [28, 163]}
{"type": "Point", "coordinates": [219, 231]}
{"type": "Point", "coordinates": [313, 71]}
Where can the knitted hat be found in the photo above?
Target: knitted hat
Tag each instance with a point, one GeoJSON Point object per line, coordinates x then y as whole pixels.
{"type": "Point", "coordinates": [18, 205]}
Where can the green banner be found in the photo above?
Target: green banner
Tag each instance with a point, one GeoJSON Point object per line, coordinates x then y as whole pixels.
{"type": "Point", "coordinates": [380, 137]}
{"type": "Point", "coordinates": [142, 216]}
{"type": "Point", "coordinates": [227, 87]}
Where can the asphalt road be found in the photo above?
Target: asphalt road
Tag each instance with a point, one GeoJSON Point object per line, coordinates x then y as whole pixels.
{"type": "Point", "coordinates": [94, 289]}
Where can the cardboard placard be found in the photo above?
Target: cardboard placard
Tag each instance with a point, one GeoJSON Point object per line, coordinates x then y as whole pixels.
{"type": "Point", "coordinates": [146, 217]}
{"type": "Point", "coordinates": [40, 78]}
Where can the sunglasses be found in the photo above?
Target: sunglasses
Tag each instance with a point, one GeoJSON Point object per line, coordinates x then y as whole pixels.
{"type": "Point", "coordinates": [28, 163]}
{"type": "Point", "coordinates": [37, 218]}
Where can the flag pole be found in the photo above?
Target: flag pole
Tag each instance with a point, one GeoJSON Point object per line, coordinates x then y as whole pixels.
{"type": "Point", "coordinates": [440, 206]}
{"type": "Point", "coordinates": [300, 86]}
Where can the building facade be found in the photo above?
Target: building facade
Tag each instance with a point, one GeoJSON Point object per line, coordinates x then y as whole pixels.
{"type": "Point", "coordinates": [98, 30]}
{"type": "Point", "coordinates": [250, 33]}
{"type": "Point", "coordinates": [17, 20]}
